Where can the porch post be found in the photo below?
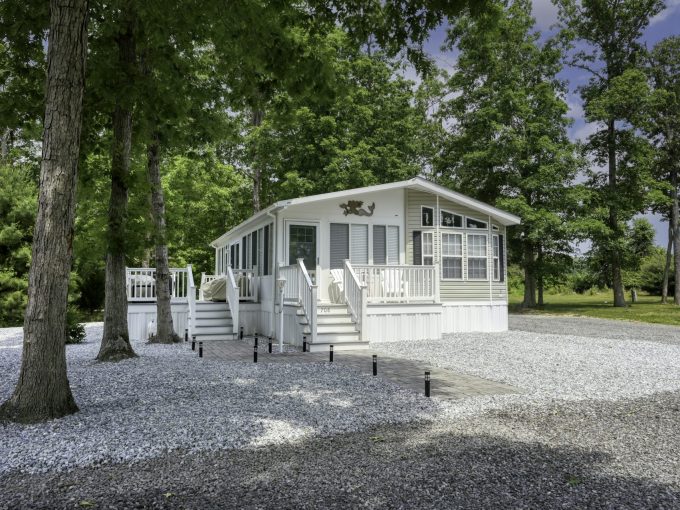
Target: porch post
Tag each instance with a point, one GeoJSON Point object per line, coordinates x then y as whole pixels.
{"type": "Point", "coordinates": [437, 295]}
{"type": "Point", "coordinates": [364, 310]}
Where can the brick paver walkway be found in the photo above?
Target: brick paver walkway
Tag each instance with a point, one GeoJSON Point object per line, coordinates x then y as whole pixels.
{"type": "Point", "coordinates": [407, 373]}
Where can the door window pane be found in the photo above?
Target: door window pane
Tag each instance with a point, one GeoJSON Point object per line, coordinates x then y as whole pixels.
{"type": "Point", "coordinates": [302, 245]}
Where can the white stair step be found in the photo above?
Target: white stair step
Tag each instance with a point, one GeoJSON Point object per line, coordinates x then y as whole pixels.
{"type": "Point", "coordinates": [338, 346]}
{"type": "Point", "coordinates": [335, 328]}
{"type": "Point", "coordinates": [329, 338]}
{"type": "Point", "coordinates": [210, 305]}
{"type": "Point", "coordinates": [213, 321]}
{"type": "Point", "coordinates": [213, 330]}
{"type": "Point", "coordinates": [217, 314]}
{"type": "Point", "coordinates": [213, 338]}
{"type": "Point", "coordinates": [339, 319]}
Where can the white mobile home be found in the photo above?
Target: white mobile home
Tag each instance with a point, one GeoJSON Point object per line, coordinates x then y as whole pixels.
{"type": "Point", "coordinates": [402, 261]}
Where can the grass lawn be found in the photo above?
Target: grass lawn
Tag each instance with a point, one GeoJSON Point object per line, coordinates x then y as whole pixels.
{"type": "Point", "coordinates": [647, 309]}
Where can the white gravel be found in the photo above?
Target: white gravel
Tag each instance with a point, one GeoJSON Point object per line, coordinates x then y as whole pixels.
{"type": "Point", "coordinates": [549, 367]}
{"type": "Point", "coordinates": [169, 399]}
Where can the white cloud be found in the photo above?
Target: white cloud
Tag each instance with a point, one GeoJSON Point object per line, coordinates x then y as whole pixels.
{"type": "Point", "coordinates": [583, 132]}
{"type": "Point", "coordinates": [672, 6]}
{"type": "Point", "coordinates": [545, 13]}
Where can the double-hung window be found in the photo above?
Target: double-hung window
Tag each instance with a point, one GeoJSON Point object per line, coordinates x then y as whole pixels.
{"type": "Point", "coordinates": [476, 256]}
{"type": "Point", "coordinates": [452, 256]}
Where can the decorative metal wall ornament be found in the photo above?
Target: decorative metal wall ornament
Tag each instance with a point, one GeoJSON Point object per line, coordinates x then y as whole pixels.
{"type": "Point", "coordinates": [354, 207]}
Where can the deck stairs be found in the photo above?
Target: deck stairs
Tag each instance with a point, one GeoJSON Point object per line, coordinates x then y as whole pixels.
{"type": "Point", "coordinates": [334, 326]}
{"type": "Point", "coordinates": [213, 321]}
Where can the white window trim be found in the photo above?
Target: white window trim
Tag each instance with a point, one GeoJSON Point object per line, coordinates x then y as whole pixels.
{"type": "Point", "coordinates": [486, 223]}
{"type": "Point", "coordinates": [462, 257]}
{"type": "Point", "coordinates": [433, 209]}
{"type": "Point", "coordinates": [485, 257]}
{"type": "Point", "coordinates": [496, 259]}
{"type": "Point", "coordinates": [461, 216]}
{"type": "Point", "coordinates": [422, 246]}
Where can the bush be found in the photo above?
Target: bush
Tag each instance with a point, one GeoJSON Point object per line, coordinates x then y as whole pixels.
{"type": "Point", "coordinates": [75, 331]}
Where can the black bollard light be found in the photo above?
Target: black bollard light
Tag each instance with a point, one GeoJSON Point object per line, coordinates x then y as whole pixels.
{"type": "Point", "coordinates": [330, 356]}
{"type": "Point", "coordinates": [186, 335]}
{"type": "Point", "coordinates": [427, 384]}
{"type": "Point", "coordinates": [240, 334]}
{"type": "Point", "coordinates": [375, 364]}
{"type": "Point", "coordinates": [255, 353]}
{"type": "Point", "coordinates": [256, 339]}
{"type": "Point", "coordinates": [304, 343]}
{"type": "Point", "coordinates": [270, 346]}
{"type": "Point", "coordinates": [200, 349]}
{"type": "Point", "coordinates": [193, 343]}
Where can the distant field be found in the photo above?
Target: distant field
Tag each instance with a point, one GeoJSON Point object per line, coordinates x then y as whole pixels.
{"type": "Point", "coordinates": [647, 309]}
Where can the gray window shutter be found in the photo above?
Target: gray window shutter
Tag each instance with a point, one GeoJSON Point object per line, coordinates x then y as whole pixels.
{"type": "Point", "coordinates": [244, 252]}
{"type": "Point", "coordinates": [393, 245]}
{"type": "Point", "coordinates": [359, 245]}
{"type": "Point", "coordinates": [379, 245]}
{"type": "Point", "coordinates": [339, 244]}
{"type": "Point", "coordinates": [266, 251]}
{"type": "Point", "coordinates": [417, 248]}
{"type": "Point", "coordinates": [253, 250]}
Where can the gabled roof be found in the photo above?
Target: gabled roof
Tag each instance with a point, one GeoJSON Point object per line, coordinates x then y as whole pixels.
{"type": "Point", "coordinates": [417, 183]}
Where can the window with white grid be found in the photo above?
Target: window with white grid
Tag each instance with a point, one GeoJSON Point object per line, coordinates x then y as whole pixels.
{"type": "Point", "coordinates": [476, 256]}
{"type": "Point", "coordinates": [452, 256]}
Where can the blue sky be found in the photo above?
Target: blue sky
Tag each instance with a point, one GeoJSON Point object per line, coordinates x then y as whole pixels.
{"type": "Point", "coordinates": [665, 24]}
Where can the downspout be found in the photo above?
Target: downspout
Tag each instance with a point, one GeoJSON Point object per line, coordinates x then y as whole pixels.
{"type": "Point", "coordinates": [275, 272]}
{"type": "Point", "coordinates": [489, 251]}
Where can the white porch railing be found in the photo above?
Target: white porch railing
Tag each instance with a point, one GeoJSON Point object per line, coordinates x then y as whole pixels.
{"type": "Point", "coordinates": [399, 283]}
{"type": "Point", "coordinates": [233, 298]}
{"type": "Point", "coordinates": [140, 283]}
{"type": "Point", "coordinates": [191, 298]}
{"type": "Point", "coordinates": [291, 292]}
{"type": "Point", "coordinates": [355, 296]}
{"type": "Point", "coordinates": [246, 280]}
{"type": "Point", "coordinates": [308, 297]}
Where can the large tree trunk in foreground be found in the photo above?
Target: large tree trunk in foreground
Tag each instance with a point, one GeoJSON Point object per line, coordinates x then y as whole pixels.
{"type": "Point", "coordinates": [115, 344]}
{"type": "Point", "coordinates": [529, 278]}
{"type": "Point", "coordinates": [614, 256]}
{"type": "Point", "coordinates": [539, 280]}
{"type": "Point", "coordinates": [675, 227]}
{"type": "Point", "coordinates": [667, 265]}
{"type": "Point", "coordinates": [43, 391]}
{"type": "Point", "coordinates": [165, 332]}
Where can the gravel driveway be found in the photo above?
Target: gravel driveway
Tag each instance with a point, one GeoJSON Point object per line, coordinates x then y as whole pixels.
{"type": "Point", "coordinates": [596, 425]}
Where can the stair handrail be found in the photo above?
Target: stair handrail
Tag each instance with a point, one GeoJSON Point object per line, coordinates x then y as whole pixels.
{"type": "Point", "coordinates": [308, 297]}
{"type": "Point", "coordinates": [356, 297]}
{"type": "Point", "coordinates": [233, 293]}
{"type": "Point", "coordinates": [191, 299]}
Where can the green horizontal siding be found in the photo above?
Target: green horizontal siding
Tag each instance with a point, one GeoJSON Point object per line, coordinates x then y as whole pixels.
{"type": "Point", "coordinates": [465, 290]}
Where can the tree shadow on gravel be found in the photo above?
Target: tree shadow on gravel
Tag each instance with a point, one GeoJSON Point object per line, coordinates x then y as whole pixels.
{"type": "Point", "coordinates": [409, 466]}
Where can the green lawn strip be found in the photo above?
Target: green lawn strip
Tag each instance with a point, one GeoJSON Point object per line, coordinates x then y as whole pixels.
{"type": "Point", "coordinates": [648, 308]}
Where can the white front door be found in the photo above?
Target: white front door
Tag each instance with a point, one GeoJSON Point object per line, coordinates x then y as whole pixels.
{"type": "Point", "coordinates": [303, 243]}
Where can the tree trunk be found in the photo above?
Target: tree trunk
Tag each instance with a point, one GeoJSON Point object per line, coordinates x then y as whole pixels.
{"type": "Point", "coordinates": [539, 279]}
{"type": "Point", "coordinates": [256, 121]}
{"type": "Point", "coordinates": [115, 344]}
{"type": "Point", "coordinates": [675, 227]}
{"type": "Point", "coordinates": [5, 144]}
{"type": "Point", "coordinates": [165, 332]}
{"type": "Point", "coordinates": [614, 256]}
{"type": "Point", "coordinates": [667, 266]}
{"type": "Point", "coordinates": [529, 278]}
{"type": "Point", "coordinates": [43, 390]}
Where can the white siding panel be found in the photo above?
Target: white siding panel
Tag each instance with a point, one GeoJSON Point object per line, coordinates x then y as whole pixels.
{"type": "Point", "coordinates": [140, 314]}
{"type": "Point", "coordinates": [469, 317]}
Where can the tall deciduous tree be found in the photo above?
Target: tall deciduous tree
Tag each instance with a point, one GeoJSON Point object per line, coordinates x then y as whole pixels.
{"type": "Point", "coordinates": [43, 390]}
{"type": "Point", "coordinates": [604, 38]}
{"type": "Point", "coordinates": [508, 133]}
{"type": "Point", "coordinates": [115, 343]}
{"type": "Point", "coordinates": [664, 69]}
